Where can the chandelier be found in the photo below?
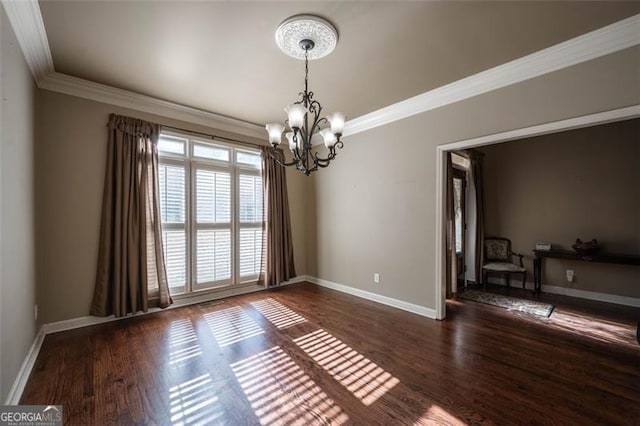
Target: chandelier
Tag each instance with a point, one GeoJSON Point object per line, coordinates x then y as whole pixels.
{"type": "Point", "coordinates": [306, 37]}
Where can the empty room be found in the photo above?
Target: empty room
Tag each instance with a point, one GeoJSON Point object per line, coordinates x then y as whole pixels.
{"type": "Point", "coordinates": [319, 212]}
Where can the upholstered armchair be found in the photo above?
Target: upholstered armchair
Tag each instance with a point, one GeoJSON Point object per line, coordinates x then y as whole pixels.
{"type": "Point", "coordinates": [498, 260]}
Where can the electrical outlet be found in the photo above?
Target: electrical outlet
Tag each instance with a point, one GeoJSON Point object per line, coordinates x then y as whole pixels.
{"type": "Point", "coordinates": [376, 278]}
{"type": "Point", "coordinates": [35, 312]}
{"type": "Point", "coordinates": [570, 275]}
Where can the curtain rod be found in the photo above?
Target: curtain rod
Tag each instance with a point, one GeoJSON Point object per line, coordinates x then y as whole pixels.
{"type": "Point", "coordinates": [257, 145]}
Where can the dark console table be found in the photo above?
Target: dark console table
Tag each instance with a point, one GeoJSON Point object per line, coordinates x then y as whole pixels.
{"type": "Point", "coordinates": [539, 255]}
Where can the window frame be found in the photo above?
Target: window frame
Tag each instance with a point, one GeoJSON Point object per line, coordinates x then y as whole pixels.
{"type": "Point", "coordinates": [191, 165]}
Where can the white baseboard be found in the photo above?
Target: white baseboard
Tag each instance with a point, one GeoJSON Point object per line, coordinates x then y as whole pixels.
{"type": "Point", "coordinates": [374, 297]}
{"type": "Point", "coordinates": [15, 393]}
{"type": "Point", "coordinates": [574, 292]}
{"type": "Point", "coordinates": [592, 295]}
{"type": "Point", "coordinates": [298, 279]}
{"type": "Point", "coordinates": [87, 321]}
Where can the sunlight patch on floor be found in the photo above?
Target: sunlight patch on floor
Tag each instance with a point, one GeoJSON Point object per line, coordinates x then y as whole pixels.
{"type": "Point", "coordinates": [281, 393]}
{"type": "Point", "coordinates": [278, 314]}
{"type": "Point", "coordinates": [358, 374]}
{"type": "Point", "coordinates": [193, 402]}
{"type": "Point", "coordinates": [232, 325]}
{"type": "Point", "coordinates": [183, 342]}
{"type": "Point", "coordinates": [587, 325]}
{"type": "Point", "coordinates": [436, 415]}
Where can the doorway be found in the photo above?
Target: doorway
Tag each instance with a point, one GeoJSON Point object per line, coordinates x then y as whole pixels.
{"type": "Point", "coordinates": [442, 287]}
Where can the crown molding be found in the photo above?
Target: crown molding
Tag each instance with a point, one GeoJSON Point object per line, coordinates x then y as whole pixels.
{"type": "Point", "coordinates": [597, 119]}
{"type": "Point", "coordinates": [26, 20]}
{"type": "Point", "coordinates": [27, 23]}
{"type": "Point", "coordinates": [81, 88]}
{"type": "Point", "coordinates": [606, 40]}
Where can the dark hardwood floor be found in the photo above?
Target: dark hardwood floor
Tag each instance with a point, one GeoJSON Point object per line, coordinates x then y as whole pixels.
{"type": "Point", "coordinates": [308, 355]}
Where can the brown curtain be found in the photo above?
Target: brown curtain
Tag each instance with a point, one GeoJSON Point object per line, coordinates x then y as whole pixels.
{"type": "Point", "coordinates": [131, 274]}
{"type": "Point", "coordinates": [476, 169]}
{"type": "Point", "coordinates": [277, 254]}
{"type": "Point", "coordinates": [452, 264]}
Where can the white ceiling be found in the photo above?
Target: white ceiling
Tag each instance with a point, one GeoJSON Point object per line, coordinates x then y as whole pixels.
{"type": "Point", "coordinates": [221, 56]}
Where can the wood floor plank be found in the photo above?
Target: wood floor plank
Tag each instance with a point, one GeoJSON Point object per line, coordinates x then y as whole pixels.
{"type": "Point", "coordinates": [303, 354]}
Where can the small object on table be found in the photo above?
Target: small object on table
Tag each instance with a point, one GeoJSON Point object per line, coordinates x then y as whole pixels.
{"type": "Point", "coordinates": [586, 249]}
{"type": "Point", "coordinates": [543, 246]}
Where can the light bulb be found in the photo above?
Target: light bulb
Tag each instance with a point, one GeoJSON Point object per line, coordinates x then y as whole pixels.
{"type": "Point", "coordinates": [296, 113]}
{"type": "Point", "coordinates": [275, 132]}
{"type": "Point", "coordinates": [336, 120]}
{"type": "Point", "coordinates": [329, 138]}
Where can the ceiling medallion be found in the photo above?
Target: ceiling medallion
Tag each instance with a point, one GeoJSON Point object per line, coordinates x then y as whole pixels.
{"type": "Point", "coordinates": [306, 37]}
{"type": "Point", "coordinates": [306, 27]}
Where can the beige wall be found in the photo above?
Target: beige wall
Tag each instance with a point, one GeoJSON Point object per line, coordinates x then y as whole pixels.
{"type": "Point", "coordinates": [71, 149]}
{"type": "Point", "coordinates": [376, 204]}
{"type": "Point", "coordinates": [372, 211]}
{"type": "Point", "coordinates": [579, 184]}
{"type": "Point", "coordinates": [17, 247]}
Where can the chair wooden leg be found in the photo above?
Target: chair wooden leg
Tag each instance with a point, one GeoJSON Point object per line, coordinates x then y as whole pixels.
{"type": "Point", "coordinates": [484, 280]}
{"type": "Point", "coordinates": [524, 279]}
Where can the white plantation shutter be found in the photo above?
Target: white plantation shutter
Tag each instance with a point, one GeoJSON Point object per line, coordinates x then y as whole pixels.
{"type": "Point", "coordinates": [250, 251]}
{"type": "Point", "coordinates": [213, 196]}
{"type": "Point", "coordinates": [172, 185]}
{"type": "Point", "coordinates": [250, 187]}
{"type": "Point", "coordinates": [213, 227]}
{"type": "Point", "coordinates": [172, 193]}
{"type": "Point", "coordinates": [213, 261]}
{"type": "Point", "coordinates": [175, 257]}
{"type": "Point", "coordinates": [211, 208]}
{"type": "Point", "coordinates": [250, 218]}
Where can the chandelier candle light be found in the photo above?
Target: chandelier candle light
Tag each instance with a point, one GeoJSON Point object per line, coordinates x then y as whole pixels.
{"type": "Point", "coordinates": [306, 37]}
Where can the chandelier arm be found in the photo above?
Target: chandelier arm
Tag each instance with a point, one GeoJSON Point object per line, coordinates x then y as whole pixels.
{"type": "Point", "coordinates": [319, 163]}
{"type": "Point", "coordinates": [275, 156]}
{"type": "Point", "coordinates": [316, 119]}
{"type": "Point", "coordinates": [314, 106]}
{"type": "Point", "coordinates": [296, 150]}
{"type": "Point", "coordinates": [304, 158]}
{"type": "Point", "coordinates": [313, 169]}
{"type": "Point", "coordinates": [332, 153]}
{"type": "Point", "coordinates": [326, 160]}
{"type": "Point", "coordinates": [321, 121]}
{"type": "Point", "coordinates": [304, 168]}
{"type": "Point", "coordinates": [285, 164]}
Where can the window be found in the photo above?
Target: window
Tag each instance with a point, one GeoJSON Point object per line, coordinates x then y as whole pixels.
{"type": "Point", "coordinates": [459, 189]}
{"type": "Point", "coordinates": [211, 209]}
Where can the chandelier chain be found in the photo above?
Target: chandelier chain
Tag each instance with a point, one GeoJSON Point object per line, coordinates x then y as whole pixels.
{"type": "Point", "coordinates": [306, 72]}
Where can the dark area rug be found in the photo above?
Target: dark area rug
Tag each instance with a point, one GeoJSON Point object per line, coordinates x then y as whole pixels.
{"type": "Point", "coordinates": [511, 303]}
